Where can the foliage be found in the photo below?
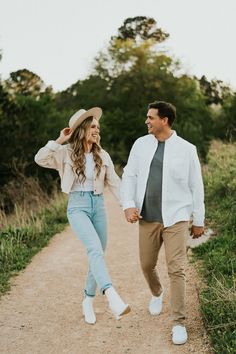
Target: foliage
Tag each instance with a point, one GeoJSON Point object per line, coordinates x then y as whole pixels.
{"type": "Point", "coordinates": [147, 80]}
{"type": "Point", "coordinates": [218, 299]}
{"type": "Point", "coordinates": [215, 91]}
{"type": "Point", "coordinates": [141, 27]}
{"type": "Point", "coordinates": [227, 122]}
{"type": "Point", "coordinates": [134, 44]}
{"type": "Point", "coordinates": [27, 123]}
{"type": "Point", "coordinates": [25, 82]}
{"type": "Point", "coordinates": [222, 101]}
{"type": "Point", "coordinates": [87, 93]}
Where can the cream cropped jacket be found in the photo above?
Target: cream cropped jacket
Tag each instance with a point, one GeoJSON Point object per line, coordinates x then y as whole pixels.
{"type": "Point", "coordinates": [57, 156]}
{"type": "Point", "coordinates": [182, 185]}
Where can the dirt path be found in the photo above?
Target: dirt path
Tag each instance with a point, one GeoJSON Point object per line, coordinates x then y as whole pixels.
{"type": "Point", "coordinates": [42, 313]}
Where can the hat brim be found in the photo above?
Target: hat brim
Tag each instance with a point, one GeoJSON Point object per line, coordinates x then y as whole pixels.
{"type": "Point", "coordinates": [95, 112]}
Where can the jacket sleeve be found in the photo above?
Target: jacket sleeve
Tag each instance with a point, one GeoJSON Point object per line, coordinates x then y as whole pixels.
{"type": "Point", "coordinates": [51, 155]}
{"type": "Point", "coordinates": [112, 180]}
{"type": "Point", "coordinates": [129, 180]}
{"type": "Point", "coordinates": [197, 189]}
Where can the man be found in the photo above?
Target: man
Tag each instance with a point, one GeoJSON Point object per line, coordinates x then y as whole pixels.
{"type": "Point", "coordinates": [162, 188]}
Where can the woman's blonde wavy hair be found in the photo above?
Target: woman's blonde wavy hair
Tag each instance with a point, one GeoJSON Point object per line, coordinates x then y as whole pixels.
{"type": "Point", "coordinates": [77, 143]}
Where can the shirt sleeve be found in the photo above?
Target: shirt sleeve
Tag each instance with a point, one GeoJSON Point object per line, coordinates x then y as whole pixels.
{"type": "Point", "coordinates": [112, 180]}
{"type": "Point", "coordinates": [51, 155]}
{"type": "Point", "coordinates": [197, 189]}
{"type": "Point", "coordinates": [129, 180]}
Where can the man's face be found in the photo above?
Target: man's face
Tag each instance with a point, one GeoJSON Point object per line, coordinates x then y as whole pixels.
{"type": "Point", "coordinates": [155, 124]}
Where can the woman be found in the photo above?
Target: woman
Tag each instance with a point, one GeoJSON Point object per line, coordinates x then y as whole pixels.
{"type": "Point", "coordinates": [84, 168]}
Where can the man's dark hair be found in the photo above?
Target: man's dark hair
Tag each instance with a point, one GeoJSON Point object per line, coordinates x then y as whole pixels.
{"type": "Point", "coordinates": [165, 109]}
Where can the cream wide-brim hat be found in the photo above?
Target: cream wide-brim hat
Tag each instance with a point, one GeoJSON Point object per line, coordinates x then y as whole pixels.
{"type": "Point", "coordinates": [82, 114]}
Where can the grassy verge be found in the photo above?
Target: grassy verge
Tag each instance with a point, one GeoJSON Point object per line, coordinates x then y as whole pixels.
{"type": "Point", "coordinates": [218, 256]}
{"type": "Point", "coordinates": [27, 235]}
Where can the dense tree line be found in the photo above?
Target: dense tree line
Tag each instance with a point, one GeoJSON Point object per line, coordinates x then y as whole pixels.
{"type": "Point", "coordinates": [133, 71]}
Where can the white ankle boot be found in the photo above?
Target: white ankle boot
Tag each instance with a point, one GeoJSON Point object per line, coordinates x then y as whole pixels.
{"type": "Point", "coordinates": [117, 305]}
{"type": "Point", "coordinates": [179, 334]}
{"type": "Point", "coordinates": [88, 312]}
{"type": "Point", "coordinates": [155, 305]}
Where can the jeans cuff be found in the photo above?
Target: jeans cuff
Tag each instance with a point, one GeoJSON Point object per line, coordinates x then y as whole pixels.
{"type": "Point", "coordinates": [105, 287]}
{"type": "Point", "coordinates": [87, 294]}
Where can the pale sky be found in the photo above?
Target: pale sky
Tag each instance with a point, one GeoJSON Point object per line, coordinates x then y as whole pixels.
{"type": "Point", "coordinates": [58, 39]}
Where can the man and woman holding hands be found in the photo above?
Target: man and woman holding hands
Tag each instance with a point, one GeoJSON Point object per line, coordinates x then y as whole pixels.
{"type": "Point", "coordinates": [161, 188]}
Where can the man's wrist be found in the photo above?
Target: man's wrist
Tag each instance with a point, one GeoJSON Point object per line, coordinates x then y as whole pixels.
{"type": "Point", "coordinates": [128, 205]}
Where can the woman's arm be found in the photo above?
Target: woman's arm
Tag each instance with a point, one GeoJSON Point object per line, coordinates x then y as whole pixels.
{"type": "Point", "coordinates": [112, 179]}
{"type": "Point", "coordinates": [52, 154]}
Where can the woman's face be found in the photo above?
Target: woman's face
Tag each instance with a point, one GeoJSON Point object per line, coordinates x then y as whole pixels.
{"type": "Point", "coordinates": [92, 133]}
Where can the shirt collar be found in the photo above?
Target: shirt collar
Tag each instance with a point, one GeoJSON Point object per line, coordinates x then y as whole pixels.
{"type": "Point", "coordinates": [170, 139]}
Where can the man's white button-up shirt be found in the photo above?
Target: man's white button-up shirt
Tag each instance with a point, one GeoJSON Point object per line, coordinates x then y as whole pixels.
{"type": "Point", "coordinates": [182, 185]}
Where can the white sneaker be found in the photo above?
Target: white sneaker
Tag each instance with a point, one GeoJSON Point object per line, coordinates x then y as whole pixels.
{"type": "Point", "coordinates": [179, 334]}
{"type": "Point", "coordinates": [116, 304]}
{"type": "Point", "coordinates": [155, 305]}
{"type": "Point", "coordinates": [87, 306]}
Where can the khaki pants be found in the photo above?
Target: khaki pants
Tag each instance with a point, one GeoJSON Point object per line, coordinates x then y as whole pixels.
{"type": "Point", "coordinates": [151, 237]}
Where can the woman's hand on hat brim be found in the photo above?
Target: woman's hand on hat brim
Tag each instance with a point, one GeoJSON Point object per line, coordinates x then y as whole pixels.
{"type": "Point", "coordinates": [67, 131]}
{"type": "Point", "coordinates": [65, 135]}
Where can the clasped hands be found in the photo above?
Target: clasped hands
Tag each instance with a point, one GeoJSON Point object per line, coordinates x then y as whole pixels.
{"type": "Point", "coordinates": [132, 215]}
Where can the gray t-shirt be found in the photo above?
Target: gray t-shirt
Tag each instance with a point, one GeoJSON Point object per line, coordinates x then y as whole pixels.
{"type": "Point", "coordinates": [151, 210]}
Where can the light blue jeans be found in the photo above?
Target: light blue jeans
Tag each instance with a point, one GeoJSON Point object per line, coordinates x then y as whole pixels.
{"type": "Point", "coordinates": [87, 217]}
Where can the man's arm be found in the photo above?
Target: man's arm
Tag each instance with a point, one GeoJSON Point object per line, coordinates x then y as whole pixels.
{"type": "Point", "coordinates": [128, 187]}
{"type": "Point", "coordinates": [197, 189]}
{"type": "Point", "coordinates": [129, 180]}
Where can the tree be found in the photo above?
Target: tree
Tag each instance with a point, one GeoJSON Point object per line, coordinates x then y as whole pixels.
{"type": "Point", "coordinates": [140, 27]}
{"type": "Point", "coordinates": [83, 94]}
{"type": "Point", "coordinates": [27, 83]}
{"type": "Point", "coordinates": [226, 122]}
{"type": "Point", "coordinates": [26, 123]}
{"type": "Point", "coordinates": [215, 91]}
{"type": "Point", "coordinates": [134, 43]}
{"type": "Point", "coordinates": [131, 73]}
{"type": "Point", "coordinates": [137, 72]}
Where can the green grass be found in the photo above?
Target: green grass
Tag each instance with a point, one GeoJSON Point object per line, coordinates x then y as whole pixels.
{"type": "Point", "coordinates": [218, 256]}
{"type": "Point", "coordinates": [19, 243]}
